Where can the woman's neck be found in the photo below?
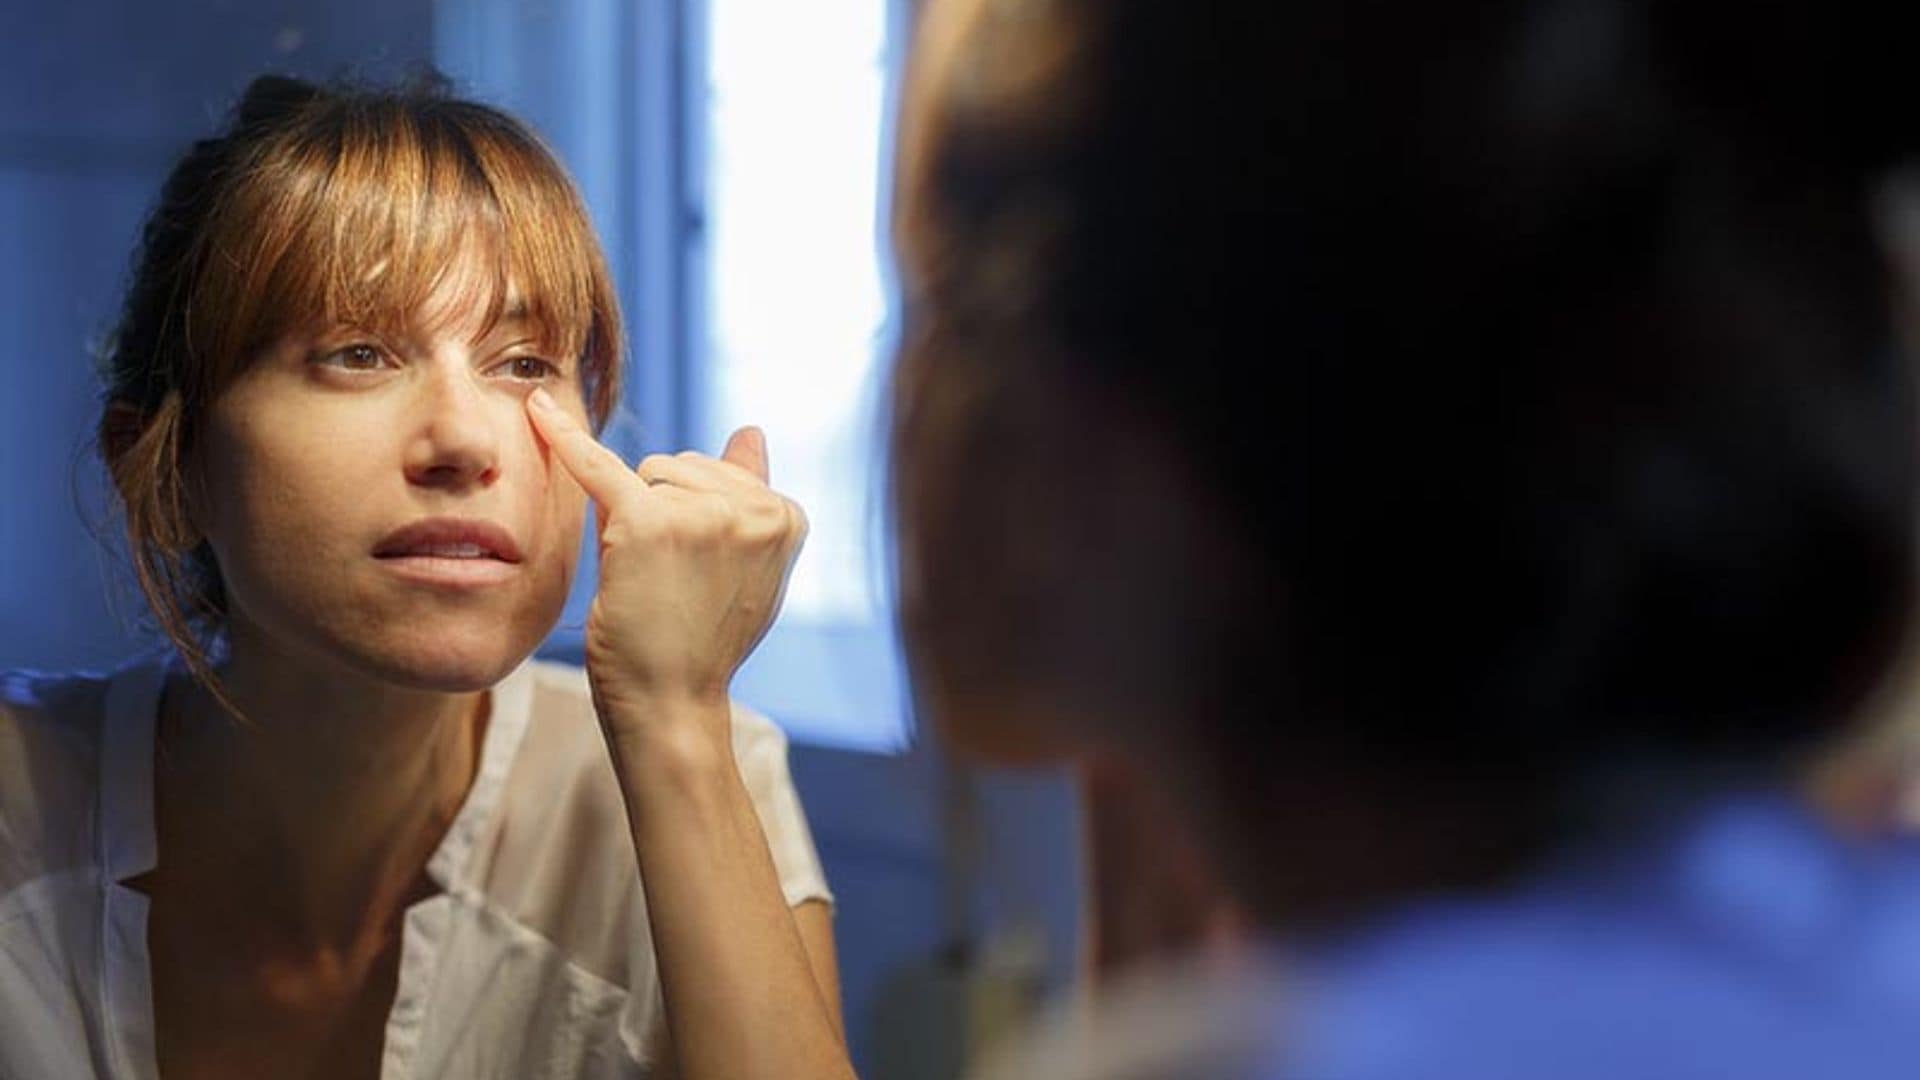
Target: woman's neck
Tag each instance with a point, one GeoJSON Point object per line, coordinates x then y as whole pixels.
{"type": "Point", "coordinates": [310, 825]}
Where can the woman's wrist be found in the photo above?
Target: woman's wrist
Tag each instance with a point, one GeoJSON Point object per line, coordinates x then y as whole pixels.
{"type": "Point", "coordinates": [671, 744]}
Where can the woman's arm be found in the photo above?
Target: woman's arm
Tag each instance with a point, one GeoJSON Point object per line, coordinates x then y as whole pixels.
{"type": "Point", "coordinates": [745, 995]}
{"type": "Point", "coordinates": [814, 920]}
{"type": "Point", "coordinates": [694, 556]}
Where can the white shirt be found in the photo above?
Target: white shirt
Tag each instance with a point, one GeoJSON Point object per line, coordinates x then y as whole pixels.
{"type": "Point", "coordinates": [535, 962]}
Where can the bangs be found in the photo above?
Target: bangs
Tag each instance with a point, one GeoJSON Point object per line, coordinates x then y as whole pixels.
{"type": "Point", "coordinates": [359, 212]}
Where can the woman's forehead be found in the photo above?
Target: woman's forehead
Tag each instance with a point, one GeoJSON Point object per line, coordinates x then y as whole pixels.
{"type": "Point", "coordinates": [474, 294]}
{"type": "Point", "coordinates": [475, 288]}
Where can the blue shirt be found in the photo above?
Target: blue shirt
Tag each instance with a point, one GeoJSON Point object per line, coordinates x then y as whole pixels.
{"type": "Point", "coordinates": [1749, 942]}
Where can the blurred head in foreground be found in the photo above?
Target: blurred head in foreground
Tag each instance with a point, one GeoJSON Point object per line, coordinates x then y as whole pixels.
{"type": "Point", "coordinates": [1381, 420]}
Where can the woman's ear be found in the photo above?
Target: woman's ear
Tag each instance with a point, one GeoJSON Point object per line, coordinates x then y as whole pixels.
{"type": "Point", "coordinates": [120, 427]}
{"type": "Point", "coordinates": [127, 445]}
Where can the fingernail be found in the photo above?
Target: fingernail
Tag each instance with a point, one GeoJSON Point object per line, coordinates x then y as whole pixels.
{"type": "Point", "coordinates": [541, 399]}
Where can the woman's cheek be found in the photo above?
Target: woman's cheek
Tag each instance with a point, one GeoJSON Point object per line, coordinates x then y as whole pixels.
{"type": "Point", "coordinates": [566, 512]}
{"type": "Point", "coordinates": [566, 501]}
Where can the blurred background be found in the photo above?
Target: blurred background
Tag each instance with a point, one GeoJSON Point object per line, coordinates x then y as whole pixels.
{"type": "Point", "coordinates": [734, 156]}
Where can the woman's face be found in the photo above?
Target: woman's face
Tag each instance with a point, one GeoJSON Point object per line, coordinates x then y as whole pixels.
{"type": "Point", "coordinates": [381, 502]}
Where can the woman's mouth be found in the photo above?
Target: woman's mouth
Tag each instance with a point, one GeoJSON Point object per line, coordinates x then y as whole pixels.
{"type": "Point", "coordinates": [451, 552]}
{"type": "Point", "coordinates": [451, 571]}
{"type": "Point", "coordinates": [444, 551]}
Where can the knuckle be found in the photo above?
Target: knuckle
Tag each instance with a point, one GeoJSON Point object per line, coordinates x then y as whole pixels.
{"type": "Point", "coordinates": [763, 509]}
{"type": "Point", "coordinates": [708, 520]}
{"type": "Point", "coordinates": [620, 533]}
{"type": "Point", "coordinates": [774, 523]}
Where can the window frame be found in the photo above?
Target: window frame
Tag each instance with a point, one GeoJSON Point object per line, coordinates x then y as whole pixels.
{"type": "Point", "coordinates": [642, 167]}
{"type": "Point", "coordinates": [803, 655]}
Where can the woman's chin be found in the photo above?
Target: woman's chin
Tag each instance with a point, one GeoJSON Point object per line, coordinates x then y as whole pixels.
{"type": "Point", "coordinates": [451, 662]}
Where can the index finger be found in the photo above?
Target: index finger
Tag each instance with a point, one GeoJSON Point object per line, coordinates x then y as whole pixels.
{"type": "Point", "coordinates": [599, 470]}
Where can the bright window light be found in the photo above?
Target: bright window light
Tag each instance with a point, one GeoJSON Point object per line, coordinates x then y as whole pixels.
{"type": "Point", "coordinates": [796, 331]}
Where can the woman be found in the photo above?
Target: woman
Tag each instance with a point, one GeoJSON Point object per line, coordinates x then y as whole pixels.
{"type": "Point", "coordinates": [1463, 470]}
{"type": "Point", "coordinates": [348, 828]}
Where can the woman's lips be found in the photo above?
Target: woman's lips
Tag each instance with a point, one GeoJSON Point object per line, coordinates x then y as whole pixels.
{"type": "Point", "coordinates": [455, 571]}
{"type": "Point", "coordinates": [449, 537]}
{"type": "Point", "coordinates": [458, 552]}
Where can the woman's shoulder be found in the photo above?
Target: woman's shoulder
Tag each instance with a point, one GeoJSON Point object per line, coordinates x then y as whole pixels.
{"type": "Point", "coordinates": [52, 699]}
{"type": "Point", "coordinates": [50, 727]}
{"type": "Point", "coordinates": [50, 750]}
{"type": "Point", "coordinates": [59, 717]}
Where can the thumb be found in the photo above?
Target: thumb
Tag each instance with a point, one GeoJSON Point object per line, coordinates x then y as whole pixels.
{"type": "Point", "coordinates": [747, 448]}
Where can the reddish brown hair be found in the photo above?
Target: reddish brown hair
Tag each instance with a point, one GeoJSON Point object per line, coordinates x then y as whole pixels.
{"type": "Point", "coordinates": [316, 205]}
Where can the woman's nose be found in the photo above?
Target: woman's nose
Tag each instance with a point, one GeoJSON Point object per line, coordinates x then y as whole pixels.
{"type": "Point", "coordinates": [456, 441]}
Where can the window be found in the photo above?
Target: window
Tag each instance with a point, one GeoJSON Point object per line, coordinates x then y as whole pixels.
{"type": "Point", "coordinates": [733, 154]}
{"type": "Point", "coordinates": [793, 327]}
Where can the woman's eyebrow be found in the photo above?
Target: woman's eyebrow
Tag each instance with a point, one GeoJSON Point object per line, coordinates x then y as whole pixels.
{"type": "Point", "coordinates": [513, 317]}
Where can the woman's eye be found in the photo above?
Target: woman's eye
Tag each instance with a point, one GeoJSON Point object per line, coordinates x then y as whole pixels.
{"type": "Point", "coordinates": [356, 358]}
{"type": "Point", "coordinates": [530, 368]}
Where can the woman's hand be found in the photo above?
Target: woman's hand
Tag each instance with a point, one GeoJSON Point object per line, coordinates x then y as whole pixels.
{"type": "Point", "coordinates": [694, 558]}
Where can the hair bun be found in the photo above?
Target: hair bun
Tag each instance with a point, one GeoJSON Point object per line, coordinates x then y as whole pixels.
{"type": "Point", "coordinates": [272, 97]}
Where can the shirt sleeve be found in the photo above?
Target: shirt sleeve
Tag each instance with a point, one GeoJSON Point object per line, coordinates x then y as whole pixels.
{"type": "Point", "coordinates": [760, 753]}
